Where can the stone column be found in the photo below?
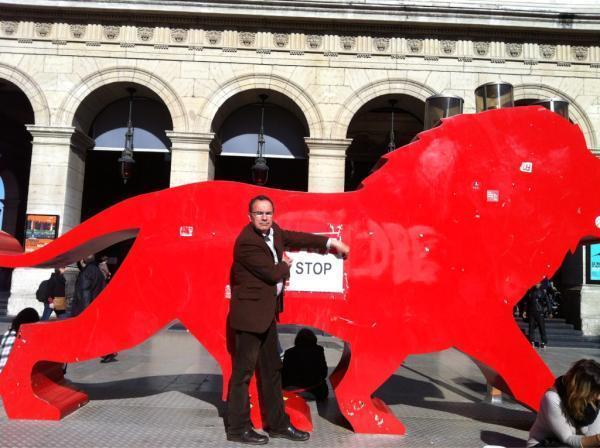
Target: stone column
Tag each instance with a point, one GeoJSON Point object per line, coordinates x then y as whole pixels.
{"type": "Point", "coordinates": [191, 157]}
{"type": "Point", "coordinates": [326, 164]}
{"type": "Point", "coordinates": [55, 188]}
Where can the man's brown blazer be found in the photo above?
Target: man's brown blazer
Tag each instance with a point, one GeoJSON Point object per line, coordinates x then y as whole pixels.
{"type": "Point", "coordinates": [254, 275]}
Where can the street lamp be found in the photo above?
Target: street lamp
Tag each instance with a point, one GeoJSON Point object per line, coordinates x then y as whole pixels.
{"type": "Point", "coordinates": [260, 169]}
{"type": "Point", "coordinates": [392, 142]}
{"type": "Point", "coordinates": [126, 161]}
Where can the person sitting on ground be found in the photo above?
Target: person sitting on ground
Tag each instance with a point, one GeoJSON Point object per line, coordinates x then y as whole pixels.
{"type": "Point", "coordinates": [568, 414]}
{"type": "Point", "coordinates": [304, 365]}
{"type": "Point", "coordinates": [25, 316]}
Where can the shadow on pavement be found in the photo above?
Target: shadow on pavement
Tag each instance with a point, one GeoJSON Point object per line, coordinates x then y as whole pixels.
{"type": "Point", "coordinates": [205, 387]}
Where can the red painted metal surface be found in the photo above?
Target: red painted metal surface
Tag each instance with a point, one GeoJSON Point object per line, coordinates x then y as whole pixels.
{"type": "Point", "coordinates": [446, 236]}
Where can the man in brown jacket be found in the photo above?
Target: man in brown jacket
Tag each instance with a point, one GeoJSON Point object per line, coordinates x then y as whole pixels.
{"type": "Point", "coordinates": [259, 270]}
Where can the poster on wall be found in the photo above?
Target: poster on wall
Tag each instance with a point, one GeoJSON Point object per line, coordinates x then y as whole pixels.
{"type": "Point", "coordinates": [594, 262]}
{"type": "Point", "coordinates": [40, 230]}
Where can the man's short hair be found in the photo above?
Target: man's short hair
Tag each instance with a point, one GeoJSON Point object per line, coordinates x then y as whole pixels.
{"type": "Point", "coordinates": [260, 197]}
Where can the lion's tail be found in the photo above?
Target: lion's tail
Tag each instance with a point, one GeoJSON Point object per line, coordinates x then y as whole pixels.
{"type": "Point", "coordinates": [117, 223]}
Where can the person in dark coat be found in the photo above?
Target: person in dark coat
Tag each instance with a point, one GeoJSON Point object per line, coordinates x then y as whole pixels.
{"type": "Point", "coordinates": [89, 284]}
{"type": "Point", "coordinates": [57, 292]}
{"type": "Point", "coordinates": [536, 302]}
{"type": "Point", "coordinates": [56, 301]}
{"type": "Point", "coordinates": [304, 365]}
{"type": "Point", "coordinates": [259, 270]}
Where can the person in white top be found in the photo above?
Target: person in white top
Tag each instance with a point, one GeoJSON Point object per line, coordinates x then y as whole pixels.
{"type": "Point", "coordinates": [568, 414]}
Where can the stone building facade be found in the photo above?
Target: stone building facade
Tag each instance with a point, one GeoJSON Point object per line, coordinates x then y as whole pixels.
{"type": "Point", "coordinates": [332, 65]}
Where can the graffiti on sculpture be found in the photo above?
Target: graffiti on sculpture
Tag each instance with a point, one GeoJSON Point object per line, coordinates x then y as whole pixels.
{"type": "Point", "coordinates": [447, 234]}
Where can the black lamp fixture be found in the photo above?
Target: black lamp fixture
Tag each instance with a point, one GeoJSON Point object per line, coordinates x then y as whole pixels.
{"type": "Point", "coordinates": [392, 144]}
{"type": "Point", "coordinates": [126, 161]}
{"type": "Point", "coordinates": [260, 169]}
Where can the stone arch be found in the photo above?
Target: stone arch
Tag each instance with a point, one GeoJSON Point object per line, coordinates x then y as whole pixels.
{"type": "Point", "coordinates": [31, 89]}
{"type": "Point", "coordinates": [268, 82]}
{"type": "Point", "coordinates": [124, 74]}
{"type": "Point", "coordinates": [373, 90]}
{"type": "Point", "coordinates": [576, 112]}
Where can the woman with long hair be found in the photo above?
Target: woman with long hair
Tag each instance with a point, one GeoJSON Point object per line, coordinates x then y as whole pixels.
{"type": "Point", "coordinates": [568, 413]}
{"type": "Point", "coordinates": [25, 316]}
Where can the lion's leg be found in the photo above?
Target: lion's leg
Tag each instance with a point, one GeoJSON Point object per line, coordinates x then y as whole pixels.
{"type": "Point", "coordinates": [211, 332]}
{"type": "Point", "coordinates": [123, 316]}
{"type": "Point", "coordinates": [516, 367]}
{"type": "Point", "coordinates": [369, 366]}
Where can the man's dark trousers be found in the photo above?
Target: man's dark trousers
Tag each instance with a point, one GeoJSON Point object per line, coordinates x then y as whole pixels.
{"type": "Point", "coordinates": [256, 351]}
{"type": "Point", "coordinates": [537, 317]}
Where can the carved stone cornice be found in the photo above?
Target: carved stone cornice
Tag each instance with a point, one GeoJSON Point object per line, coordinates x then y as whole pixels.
{"type": "Point", "coordinates": [400, 45]}
{"type": "Point", "coordinates": [559, 31]}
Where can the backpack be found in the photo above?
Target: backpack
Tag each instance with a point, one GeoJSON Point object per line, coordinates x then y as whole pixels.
{"type": "Point", "coordinates": [43, 291]}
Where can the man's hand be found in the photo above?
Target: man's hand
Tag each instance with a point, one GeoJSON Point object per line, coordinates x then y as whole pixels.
{"type": "Point", "coordinates": [287, 259]}
{"type": "Point", "coordinates": [341, 249]}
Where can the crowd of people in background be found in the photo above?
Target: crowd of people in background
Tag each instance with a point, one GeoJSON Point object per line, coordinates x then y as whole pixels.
{"type": "Point", "coordinates": [91, 280]}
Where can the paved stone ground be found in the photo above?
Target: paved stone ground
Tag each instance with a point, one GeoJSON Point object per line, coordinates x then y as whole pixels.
{"type": "Point", "coordinates": [166, 393]}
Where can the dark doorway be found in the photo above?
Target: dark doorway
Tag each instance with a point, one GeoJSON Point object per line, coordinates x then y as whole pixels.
{"type": "Point", "coordinates": [370, 133]}
{"type": "Point", "coordinates": [103, 115]}
{"type": "Point", "coordinates": [237, 124]}
{"type": "Point", "coordinates": [15, 163]}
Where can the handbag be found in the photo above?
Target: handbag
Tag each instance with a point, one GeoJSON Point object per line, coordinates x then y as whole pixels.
{"type": "Point", "coordinates": [60, 303]}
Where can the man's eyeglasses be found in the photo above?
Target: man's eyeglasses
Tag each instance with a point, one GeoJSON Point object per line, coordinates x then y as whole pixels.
{"type": "Point", "coordinates": [262, 213]}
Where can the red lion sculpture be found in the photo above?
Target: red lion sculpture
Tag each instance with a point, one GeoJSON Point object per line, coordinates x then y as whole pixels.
{"type": "Point", "coordinates": [446, 236]}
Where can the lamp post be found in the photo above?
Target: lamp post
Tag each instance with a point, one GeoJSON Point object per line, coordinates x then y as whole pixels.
{"type": "Point", "coordinates": [392, 143]}
{"type": "Point", "coordinates": [260, 169]}
{"type": "Point", "coordinates": [126, 161]}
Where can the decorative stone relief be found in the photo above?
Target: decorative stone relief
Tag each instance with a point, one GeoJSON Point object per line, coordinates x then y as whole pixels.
{"type": "Point", "coordinates": [78, 31]}
{"type": "Point", "coordinates": [382, 43]}
{"type": "Point", "coordinates": [314, 41]}
{"type": "Point", "coordinates": [580, 53]}
{"type": "Point", "coordinates": [415, 45]}
{"type": "Point", "coordinates": [9, 28]}
{"type": "Point", "coordinates": [281, 40]}
{"type": "Point", "coordinates": [348, 42]}
{"type": "Point", "coordinates": [448, 46]}
{"type": "Point", "coordinates": [547, 51]}
{"type": "Point", "coordinates": [481, 48]}
{"type": "Point", "coordinates": [213, 37]}
{"type": "Point", "coordinates": [145, 33]}
{"type": "Point", "coordinates": [514, 50]}
{"type": "Point", "coordinates": [43, 29]}
{"type": "Point", "coordinates": [247, 39]}
{"type": "Point", "coordinates": [179, 35]}
{"type": "Point", "coordinates": [111, 32]}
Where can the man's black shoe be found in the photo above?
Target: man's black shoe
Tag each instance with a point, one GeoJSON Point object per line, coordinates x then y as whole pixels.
{"type": "Point", "coordinates": [249, 437]}
{"type": "Point", "coordinates": [290, 433]}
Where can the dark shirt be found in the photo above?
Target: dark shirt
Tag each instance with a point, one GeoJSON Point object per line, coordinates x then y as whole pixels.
{"type": "Point", "coordinates": [57, 285]}
{"type": "Point", "coordinates": [537, 300]}
{"type": "Point", "coordinates": [89, 284]}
